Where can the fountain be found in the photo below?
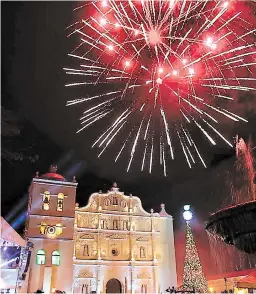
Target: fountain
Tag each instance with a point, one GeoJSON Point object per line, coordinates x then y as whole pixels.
{"type": "Point", "coordinates": [236, 224]}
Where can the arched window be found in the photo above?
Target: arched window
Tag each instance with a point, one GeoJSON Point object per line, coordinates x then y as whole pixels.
{"type": "Point", "coordinates": [60, 202]}
{"type": "Point", "coordinates": [46, 200]}
{"type": "Point", "coordinates": [86, 250]}
{"type": "Point", "coordinates": [115, 224]}
{"type": "Point", "coordinates": [40, 257]}
{"type": "Point", "coordinates": [126, 225]}
{"type": "Point", "coordinates": [115, 201]}
{"type": "Point", "coordinates": [142, 252]}
{"type": "Point", "coordinates": [55, 258]}
{"type": "Point", "coordinates": [43, 228]}
{"type": "Point", "coordinates": [58, 228]}
{"type": "Point", "coordinates": [144, 289]}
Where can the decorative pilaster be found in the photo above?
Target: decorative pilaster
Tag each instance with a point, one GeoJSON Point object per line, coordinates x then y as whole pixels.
{"type": "Point", "coordinates": [154, 279]}
{"type": "Point", "coordinates": [152, 234]}
{"type": "Point", "coordinates": [132, 279]}
{"type": "Point", "coordinates": [98, 279]}
{"type": "Point", "coordinates": [99, 234]}
{"type": "Point", "coordinates": [131, 228]}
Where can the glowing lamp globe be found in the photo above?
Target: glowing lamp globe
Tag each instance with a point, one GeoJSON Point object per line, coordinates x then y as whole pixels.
{"type": "Point", "coordinates": [186, 207]}
{"type": "Point", "coordinates": [187, 215]}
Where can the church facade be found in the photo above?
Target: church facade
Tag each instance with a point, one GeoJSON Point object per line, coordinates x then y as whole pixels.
{"type": "Point", "coordinates": [112, 245]}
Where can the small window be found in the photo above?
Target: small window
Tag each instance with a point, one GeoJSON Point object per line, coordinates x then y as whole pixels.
{"type": "Point", "coordinates": [55, 258]}
{"type": "Point", "coordinates": [58, 230]}
{"type": "Point", "coordinates": [142, 252]}
{"type": "Point", "coordinates": [144, 289]}
{"type": "Point", "coordinates": [46, 200]}
{"type": "Point", "coordinates": [60, 202]}
{"type": "Point", "coordinates": [40, 257]}
{"type": "Point", "coordinates": [126, 226]}
{"type": "Point", "coordinates": [115, 224]}
{"type": "Point", "coordinates": [115, 201]}
{"type": "Point", "coordinates": [43, 228]}
{"type": "Point", "coordinates": [86, 250]}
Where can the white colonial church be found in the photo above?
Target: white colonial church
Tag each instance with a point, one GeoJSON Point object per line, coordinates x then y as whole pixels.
{"type": "Point", "coordinates": [112, 245]}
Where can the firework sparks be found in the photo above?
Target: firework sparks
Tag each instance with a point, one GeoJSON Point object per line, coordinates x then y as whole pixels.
{"type": "Point", "coordinates": [170, 66]}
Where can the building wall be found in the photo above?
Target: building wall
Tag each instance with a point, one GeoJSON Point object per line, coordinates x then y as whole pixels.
{"type": "Point", "coordinates": [47, 276]}
{"type": "Point", "coordinates": [116, 239]}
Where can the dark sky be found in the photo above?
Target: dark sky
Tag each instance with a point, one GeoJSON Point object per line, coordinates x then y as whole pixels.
{"type": "Point", "coordinates": [34, 51]}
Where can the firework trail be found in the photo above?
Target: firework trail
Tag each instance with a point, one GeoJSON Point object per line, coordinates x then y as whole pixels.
{"type": "Point", "coordinates": [173, 66]}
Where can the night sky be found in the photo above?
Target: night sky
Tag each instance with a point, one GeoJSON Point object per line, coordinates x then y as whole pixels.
{"type": "Point", "coordinates": [34, 52]}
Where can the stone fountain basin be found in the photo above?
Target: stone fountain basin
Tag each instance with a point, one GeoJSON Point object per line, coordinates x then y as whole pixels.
{"type": "Point", "coordinates": [236, 225]}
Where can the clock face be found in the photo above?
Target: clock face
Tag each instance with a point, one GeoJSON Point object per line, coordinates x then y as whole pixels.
{"type": "Point", "coordinates": [51, 230]}
{"type": "Point", "coordinates": [114, 252]}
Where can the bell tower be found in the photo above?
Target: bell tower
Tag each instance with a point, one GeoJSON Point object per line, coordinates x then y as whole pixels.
{"type": "Point", "coordinates": [50, 227]}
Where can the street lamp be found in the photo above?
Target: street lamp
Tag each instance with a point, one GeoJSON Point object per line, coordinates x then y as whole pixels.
{"type": "Point", "coordinates": [187, 214]}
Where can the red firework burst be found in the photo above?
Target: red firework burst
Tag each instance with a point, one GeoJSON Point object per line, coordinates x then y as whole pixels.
{"type": "Point", "coordinates": [170, 65]}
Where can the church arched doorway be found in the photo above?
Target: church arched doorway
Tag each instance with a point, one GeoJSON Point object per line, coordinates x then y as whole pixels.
{"type": "Point", "coordinates": [113, 286]}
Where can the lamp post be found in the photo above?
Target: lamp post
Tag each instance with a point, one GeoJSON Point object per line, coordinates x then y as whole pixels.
{"type": "Point", "coordinates": [187, 214]}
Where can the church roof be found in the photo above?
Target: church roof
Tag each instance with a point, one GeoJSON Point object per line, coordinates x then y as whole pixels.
{"type": "Point", "coordinates": [53, 175]}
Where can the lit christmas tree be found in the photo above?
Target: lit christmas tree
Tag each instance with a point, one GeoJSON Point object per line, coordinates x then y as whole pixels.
{"type": "Point", "coordinates": [193, 276]}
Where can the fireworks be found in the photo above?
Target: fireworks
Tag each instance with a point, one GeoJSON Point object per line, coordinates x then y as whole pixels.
{"type": "Point", "coordinates": [172, 67]}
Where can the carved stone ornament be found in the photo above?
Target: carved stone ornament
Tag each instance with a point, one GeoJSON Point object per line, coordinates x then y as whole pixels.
{"type": "Point", "coordinates": [116, 237]}
{"type": "Point", "coordinates": [94, 204]}
{"type": "Point", "coordinates": [86, 237]}
{"type": "Point", "coordinates": [142, 239]}
{"type": "Point", "coordinates": [86, 274]}
{"type": "Point", "coordinates": [143, 276]}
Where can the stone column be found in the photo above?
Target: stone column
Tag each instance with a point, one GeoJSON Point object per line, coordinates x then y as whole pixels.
{"type": "Point", "coordinates": [132, 278]}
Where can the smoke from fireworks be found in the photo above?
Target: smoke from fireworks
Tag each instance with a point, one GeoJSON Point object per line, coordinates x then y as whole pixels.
{"type": "Point", "coordinates": [171, 65]}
